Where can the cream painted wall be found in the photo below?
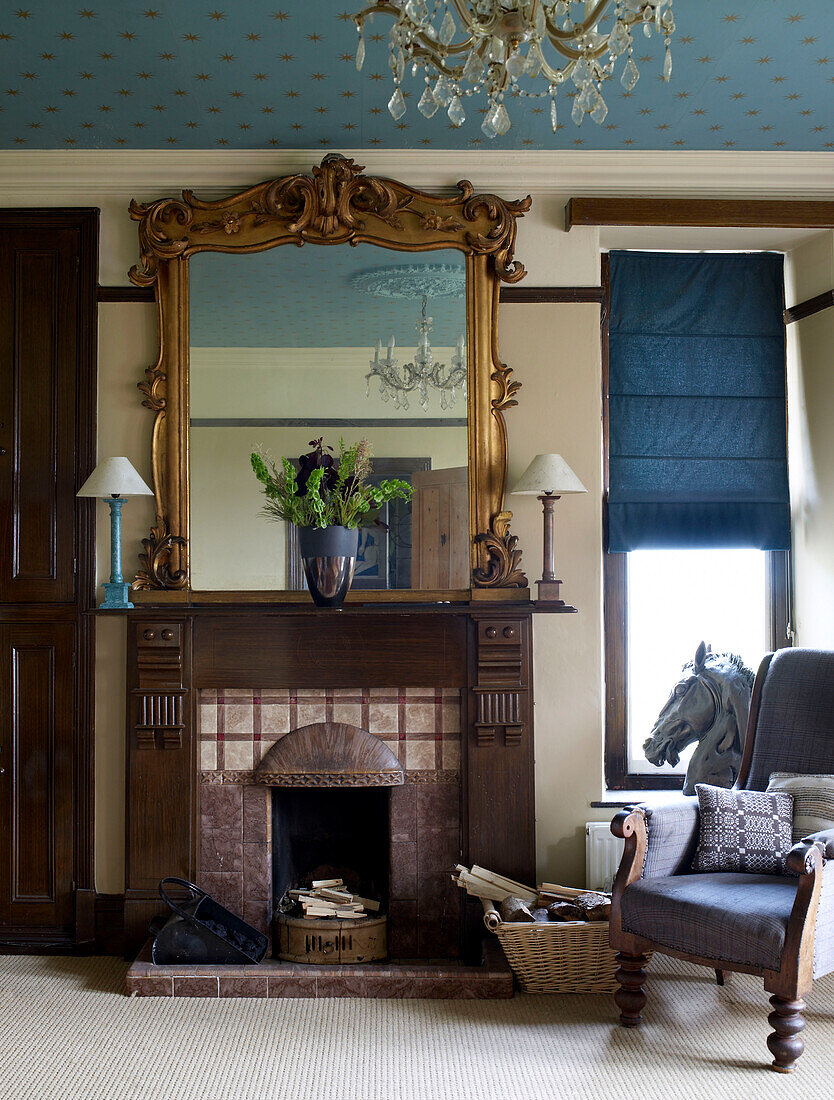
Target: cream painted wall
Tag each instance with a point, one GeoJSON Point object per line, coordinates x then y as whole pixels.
{"type": "Point", "coordinates": [558, 362]}
{"type": "Point", "coordinates": [233, 547]}
{"type": "Point", "coordinates": [811, 443]}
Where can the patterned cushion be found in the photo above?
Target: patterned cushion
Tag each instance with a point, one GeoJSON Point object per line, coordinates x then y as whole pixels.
{"type": "Point", "coordinates": [743, 830]}
{"type": "Point", "coordinates": [729, 917]}
{"type": "Point", "coordinates": [813, 801]}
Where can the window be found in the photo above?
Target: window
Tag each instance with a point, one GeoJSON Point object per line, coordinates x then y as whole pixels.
{"type": "Point", "coordinates": [693, 558]}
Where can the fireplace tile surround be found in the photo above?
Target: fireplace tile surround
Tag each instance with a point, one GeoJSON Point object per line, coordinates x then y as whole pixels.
{"type": "Point", "coordinates": [236, 836]}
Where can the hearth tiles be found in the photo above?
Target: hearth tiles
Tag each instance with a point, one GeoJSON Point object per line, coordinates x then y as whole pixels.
{"type": "Point", "coordinates": [427, 979]}
{"type": "Point", "coordinates": [238, 726]}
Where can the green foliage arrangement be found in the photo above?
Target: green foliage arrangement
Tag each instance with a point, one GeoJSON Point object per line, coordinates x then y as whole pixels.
{"type": "Point", "coordinates": [325, 491]}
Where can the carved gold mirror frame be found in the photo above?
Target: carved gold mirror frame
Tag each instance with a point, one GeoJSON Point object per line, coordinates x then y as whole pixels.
{"type": "Point", "coordinates": [337, 204]}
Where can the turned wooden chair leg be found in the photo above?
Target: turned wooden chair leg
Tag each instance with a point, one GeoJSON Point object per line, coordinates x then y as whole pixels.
{"type": "Point", "coordinates": [630, 998]}
{"type": "Point", "coordinates": [719, 976]}
{"type": "Point", "coordinates": [785, 1042]}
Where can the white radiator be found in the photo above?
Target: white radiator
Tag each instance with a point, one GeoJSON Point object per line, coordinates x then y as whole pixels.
{"type": "Point", "coordinates": [602, 855]}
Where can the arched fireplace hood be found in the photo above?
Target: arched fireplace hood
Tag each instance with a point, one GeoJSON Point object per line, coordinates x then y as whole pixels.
{"type": "Point", "coordinates": [329, 754]}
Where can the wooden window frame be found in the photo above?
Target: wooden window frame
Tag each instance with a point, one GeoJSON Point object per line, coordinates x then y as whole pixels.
{"type": "Point", "coordinates": [615, 617]}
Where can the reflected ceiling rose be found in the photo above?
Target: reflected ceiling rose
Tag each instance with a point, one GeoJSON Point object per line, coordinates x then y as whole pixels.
{"type": "Point", "coordinates": [526, 48]}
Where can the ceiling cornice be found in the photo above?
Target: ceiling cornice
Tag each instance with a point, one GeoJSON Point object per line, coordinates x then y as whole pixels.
{"type": "Point", "coordinates": [50, 175]}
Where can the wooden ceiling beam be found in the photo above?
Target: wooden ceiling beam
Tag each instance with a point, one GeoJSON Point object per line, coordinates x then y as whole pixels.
{"type": "Point", "coordinates": [709, 213]}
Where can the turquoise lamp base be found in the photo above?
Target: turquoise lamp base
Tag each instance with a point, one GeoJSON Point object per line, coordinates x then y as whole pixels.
{"type": "Point", "coordinates": [115, 596]}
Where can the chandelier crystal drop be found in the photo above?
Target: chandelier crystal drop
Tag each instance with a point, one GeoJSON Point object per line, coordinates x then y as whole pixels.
{"type": "Point", "coordinates": [396, 383]}
{"type": "Point", "coordinates": [494, 48]}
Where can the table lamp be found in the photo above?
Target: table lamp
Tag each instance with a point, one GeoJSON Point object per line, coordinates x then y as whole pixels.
{"type": "Point", "coordinates": [113, 480]}
{"type": "Point", "coordinates": [548, 477]}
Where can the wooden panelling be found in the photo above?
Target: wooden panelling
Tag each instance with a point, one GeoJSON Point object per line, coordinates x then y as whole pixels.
{"type": "Point", "coordinates": [809, 307]}
{"type": "Point", "coordinates": [563, 294]}
{"type": "Point", "coordinates": [716, 213]}
{"type": "Point", "coordinates": [337, 650]}
{"type": "Point", "coordinates": [36, 757]}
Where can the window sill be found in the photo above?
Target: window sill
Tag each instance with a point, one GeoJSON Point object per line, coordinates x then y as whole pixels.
{"type": "Point", "coordinates": [615, 799]}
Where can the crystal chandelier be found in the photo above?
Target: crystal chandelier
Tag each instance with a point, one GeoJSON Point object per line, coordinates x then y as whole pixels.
{"type": "Point", "coordinates": [499, 47]}
{"type": "Point", "coordinates": [421, 373]}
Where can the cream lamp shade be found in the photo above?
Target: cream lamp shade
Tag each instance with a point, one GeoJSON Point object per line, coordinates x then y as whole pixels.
{"type": "Point", "coordinates": [114, 477]}
{"type": "Point", "coordinates": [548, 474]}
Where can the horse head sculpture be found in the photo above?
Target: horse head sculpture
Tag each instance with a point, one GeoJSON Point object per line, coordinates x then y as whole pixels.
{"type": "Point", "coordinates": [709, 704]}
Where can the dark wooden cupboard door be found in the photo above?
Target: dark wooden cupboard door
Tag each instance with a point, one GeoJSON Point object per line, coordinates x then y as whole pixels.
{"type": "Point", "coordinates": [39, 307]}
{"type": "Point", "coordinates": [36, 776]}
{"type": "Point", "coordinates": [48, 267]}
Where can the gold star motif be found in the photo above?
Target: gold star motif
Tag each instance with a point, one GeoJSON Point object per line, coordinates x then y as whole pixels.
{"type": "Point", "coordinates": [105, 109]}
{"type": "Point", "coordinates": [287, 56]}
{"type": "Point", "coordinates": [128, 36]}
{"type": "Point", "coordinates": [66, 36]}
{"type": "Point", "coordinates": [87, 13]}
{"type": "Point", "coordinates": [721, 79]}
{"type": "Point", "coordinates": [730, 18]}
{"type": "Point", "coordinates": [314, 37]}
{"type": "Point", "coordinates": [125, 91]}
{"type": "Point", "coordinates": [172, 140]}
{"type": "Point", "coordinates": [280, 15]}
{"type": "Point", "coordinates": [348, 94]}
{"type": "Point", "coordinates": [686, 40]}
{"type": "Point", "coordinates": [705, 59]}
{"type": "Point", "coordinates": [68, 92]}
{"type": "Point", "coordinates": [121, 141]}
{"type": "Point", "coordinates": [106, 56]}
{"type": "Point", "coordinates": [30, 76]}
{"type": "Point", "coordinates": [324, 141]}
{"type": "Point", "coordinates": [777, 80]}
{"type": "Point", "coordinates": [204, 76]}
{"type": "Point", "coordinates": [291, 94]}
{"type": "Point", "coordinates": [191, 38]}
{"type": "Point", "coordinates": [227, 57]}
{"type": "Point", "coordinates": [217, 15]}
{"type": "Point", "coordinates": [180, 92]}
{"type": "Point", "coordinates": [729, 144]}
{"type": "Point", "coordinates": [317, 76]}
{"type": "Point", "coordinates": [748, 41]}
{"type": "Point", "coordinates": [737, 95]}
{"type": "Point", "coordinates": [144, 76]}
{"type": "Point", "coordinates": [345, 16]}
{"type": "Point", "coordinates": [427, 141]}
{"type": "Point", "coordinates": [297, 126]}
{"type": "Point", "coordinates": [346, 57]}
{"type": "Point", "coordinates": [6, 37]}
{"type": "Point", "coordinates": [192, 125]}
{"type": "Point", "coordinates": [766, 129]}
{"type": "Point", "coordinates": [375, 141]}
{"type": "Point", "coordinates": [159, 107]}
{"type": "Point", "coordinates": [679, 141]}
{"type": "Point", "coordinates": [794, 18]}
{"type": "Point", "coordinates": [23, 13]}
{"type": "Point", "coordinates": [810, 40]}
{"type": "Point", "coordinates": [87, 126]}
{"type": "Point", "coordinates": [222, 141]}
{"type": "Point", "coordinates": [236, 94]}
{"type": "Point", "coordinates": [763, 60]}
{"type": "Point", "coordinates": [321, 110]}
{"type": "Point", "coordinates": [47, 57]}
{"type": "Point", "coordinates": [823, 60]}
{"type": "Point", "coordinates": [214, 111]}
{"type": "Point", "coordinates": [348, 126]}
{"type": "Point", "coordinates": [751, 114]}
{"type": "Point", "coordinates": [151, 13]}
{"type": "Point", "coordinates": [245, 126]}
{"type": "Point", "coordinates": [716, 128]}
{"type": "Point", "coordinates": [259, 76]}
{"type": "Point", "coordinates": [166, 56]}
{"type": "Point", "coordinates": [252, 37]}
{"type": "Point", "coordinates": [267, 110]}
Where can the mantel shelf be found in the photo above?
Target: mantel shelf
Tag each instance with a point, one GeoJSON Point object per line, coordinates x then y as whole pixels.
{"type": "Point", "coordinates": [235, 606]}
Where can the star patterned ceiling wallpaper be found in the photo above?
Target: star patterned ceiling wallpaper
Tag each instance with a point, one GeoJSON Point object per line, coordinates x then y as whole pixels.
{"type": "Point", "coordinates": [260, 74]}
{"type": "Point", "coordinates": [312, 303]}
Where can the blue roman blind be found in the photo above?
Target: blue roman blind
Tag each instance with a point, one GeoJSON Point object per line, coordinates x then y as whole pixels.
{"type": "Point", "coordinates": [696, 416]}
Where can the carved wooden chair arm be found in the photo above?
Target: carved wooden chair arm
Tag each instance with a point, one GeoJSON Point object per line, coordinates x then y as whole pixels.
{"type": "Point", "coordinates": [824, 837]}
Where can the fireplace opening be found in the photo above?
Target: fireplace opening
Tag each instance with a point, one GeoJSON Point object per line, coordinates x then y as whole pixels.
{"type": "Point", "coordinates": [331, 832]}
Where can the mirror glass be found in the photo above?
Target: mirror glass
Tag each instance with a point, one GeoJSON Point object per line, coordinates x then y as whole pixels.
{"type": "Point", "coordinates": [293, 344]}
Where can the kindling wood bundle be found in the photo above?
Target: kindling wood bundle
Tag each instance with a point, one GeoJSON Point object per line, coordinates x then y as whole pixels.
{"type": "Point", "coordinates": [330, 898]}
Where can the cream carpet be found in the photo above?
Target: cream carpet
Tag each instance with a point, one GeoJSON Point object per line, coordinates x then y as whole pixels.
{"type": "Point", "coordinates": [67, 1031]}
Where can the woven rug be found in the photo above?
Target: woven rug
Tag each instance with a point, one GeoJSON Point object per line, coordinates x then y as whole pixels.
{"type": "Point", "coordinates": [68, 1032]}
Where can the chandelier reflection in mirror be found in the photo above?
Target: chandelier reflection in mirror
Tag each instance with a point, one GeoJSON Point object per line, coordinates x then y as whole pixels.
{"type": "Point", "coordinates": [499, 47]}
{"type": "Point", "coordinates": [422, 374]}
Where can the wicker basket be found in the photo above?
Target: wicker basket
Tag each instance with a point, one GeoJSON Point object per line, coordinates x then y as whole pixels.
{"type": "Point", "coordinates": [555, 957]}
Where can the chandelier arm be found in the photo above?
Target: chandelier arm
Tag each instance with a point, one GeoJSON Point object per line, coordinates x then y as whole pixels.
{"type": "Point", "coordinates": [578, 28]}
{"type": "Point", "coordinates": [475, 27]}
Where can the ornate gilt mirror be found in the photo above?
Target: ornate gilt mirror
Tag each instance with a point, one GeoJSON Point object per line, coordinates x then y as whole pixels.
{"type": "Point", "coordinates": [266, 348]}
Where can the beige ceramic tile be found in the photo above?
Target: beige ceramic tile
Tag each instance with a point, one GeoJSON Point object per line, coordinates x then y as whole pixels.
{"type": "Point", "coordinates": [384, 693]}
{"type": "Point", "coordinates": [239, 756]}
{"type": "Point", "coordinates": [266, 746]}
{"type": "Point", "coordinates": [354, 694]}
{"type": "Point", "coordinates": [419, 718]}
{"type": "Point", "coordinates": [419, 755]}
{"type": "Point", "coordinates": [274, 695]}
{"type": "Point", "coordinates": [208, 695]}
{"type": "Point", "coordinates": [238, 717]}
{"type": "Point", "coordinates": [208, 756]}
{"type": "Point", "coordinates": [275, 718]}
{"type": "Point", "coordinates": [351, 713]}
{"type": "Point", "coordinates": [314, 695]}
{"type": "Point", "coordinates": [451, 718]}
{"type": "Point", "coordinates": [394, 746]}
{"type": "Point", "coordinates": [307, 713]}
{"type": "Point", "coordinates": [419, 693]}
{"type": "Point", "coordinates": [208, 719]}
{"type": "Point", "coordinates": [238, 694]}
{"type": "Point", "coordinates": [382, 718]}
{"type": "Point", "coordinates": [451, 755]}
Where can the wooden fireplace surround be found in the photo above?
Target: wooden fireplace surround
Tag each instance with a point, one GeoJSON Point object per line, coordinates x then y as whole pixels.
{"type": "Point", "coordinates": [174, 652]}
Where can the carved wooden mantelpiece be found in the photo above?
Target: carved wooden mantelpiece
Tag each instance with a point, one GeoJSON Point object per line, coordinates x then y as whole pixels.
{"type": "Point", "coordinates": [483, 650]}
{"type": "Point", "coordinates": [336, 204]}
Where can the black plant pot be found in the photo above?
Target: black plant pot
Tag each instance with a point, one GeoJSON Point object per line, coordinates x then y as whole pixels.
{"type": "Point", "coordinates": [328, 555]}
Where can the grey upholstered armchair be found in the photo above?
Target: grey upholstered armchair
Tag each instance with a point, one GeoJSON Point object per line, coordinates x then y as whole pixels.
{"type": "Point", "coordinates": [780, 927]}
